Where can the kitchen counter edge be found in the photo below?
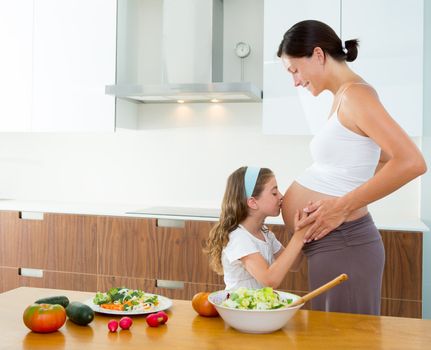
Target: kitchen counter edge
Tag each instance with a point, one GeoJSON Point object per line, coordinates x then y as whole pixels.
{"type": "Point", "coordinates": [398, 223]}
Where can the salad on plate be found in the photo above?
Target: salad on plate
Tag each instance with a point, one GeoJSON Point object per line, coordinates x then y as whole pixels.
{"type": "Point", "coordinates": [125, 299]}
{"type": "Point", "coordinates": [255, 299]}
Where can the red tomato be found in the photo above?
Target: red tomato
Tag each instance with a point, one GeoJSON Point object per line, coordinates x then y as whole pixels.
{"type": "Point", "coordinates": [202, 306]}
{"type": "Point", "coordinates": [44, 318]}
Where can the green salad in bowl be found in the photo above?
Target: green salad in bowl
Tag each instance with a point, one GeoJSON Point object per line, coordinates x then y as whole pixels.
{"type": "Point", "coordinates": [255, 310]}
{"type": "Point", "coordinates": [255, 299]}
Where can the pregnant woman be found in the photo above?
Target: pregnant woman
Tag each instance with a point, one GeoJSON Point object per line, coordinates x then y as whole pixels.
{"type": "Point", "coordinates": [360, 156]}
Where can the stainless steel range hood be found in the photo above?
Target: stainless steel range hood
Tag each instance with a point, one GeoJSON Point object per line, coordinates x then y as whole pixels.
{"type": "Point", "coordinates": [192, 55]}
{"type": "Point", "coordinates": [193, 92]}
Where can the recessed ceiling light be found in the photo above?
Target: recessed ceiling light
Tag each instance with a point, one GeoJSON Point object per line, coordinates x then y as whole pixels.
{"type": "Point", "coordinates": [180, 101]}
{"type": "Point", "coordinates": [214, 100]}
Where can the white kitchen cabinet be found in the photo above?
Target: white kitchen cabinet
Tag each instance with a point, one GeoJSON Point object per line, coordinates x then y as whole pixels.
{"type": "Point", "coordinates": [16, 25]}
{"type": "Point", "coordinates": [286, 109]}
{"type": "Point", "coordinates": [390, 54]}
{"type": "Point", "coordinates": [390, 58]}
{"type": "Point", "coordinates": [73, 60]}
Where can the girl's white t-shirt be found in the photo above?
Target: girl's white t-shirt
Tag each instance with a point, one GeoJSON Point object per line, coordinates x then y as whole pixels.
{"type": "Point", "coordinates": [242, 243]}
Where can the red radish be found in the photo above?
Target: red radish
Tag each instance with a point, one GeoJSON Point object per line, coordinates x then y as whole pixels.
{"type": "Point", "coordinates": [126, 322]}
{"type": "Point", "coordinates": [112, 325]}
{"type": "Point", "coordinates": [157, 319]}
{"type": "Point", "coordinates": [164, 315]}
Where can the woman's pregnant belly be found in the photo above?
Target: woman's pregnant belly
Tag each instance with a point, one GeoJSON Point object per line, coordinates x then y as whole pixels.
{"type": "Point", "coordinates": [298, 197]}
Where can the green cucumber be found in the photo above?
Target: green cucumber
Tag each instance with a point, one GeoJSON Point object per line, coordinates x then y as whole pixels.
{"type": "Point", "coordinates": [59, 299]}
{"type": "Point", "coordinates": [79, 313]}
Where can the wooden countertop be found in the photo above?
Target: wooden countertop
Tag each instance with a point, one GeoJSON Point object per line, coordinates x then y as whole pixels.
{"type": "Point", "coordinates": [186, 330]}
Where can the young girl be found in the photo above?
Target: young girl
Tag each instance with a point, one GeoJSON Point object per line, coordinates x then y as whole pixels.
{"type": "Point", "coordinates": [240, 246]}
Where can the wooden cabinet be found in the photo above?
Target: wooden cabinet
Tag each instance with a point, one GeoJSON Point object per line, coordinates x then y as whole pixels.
{"type": "Point", "coordinates": [139, 252]}
{"type": "Point", "coordinates": [61, 280]}
{"type": "Point", "coordinates": [9, 238]}
{"type": "Point", "coordinates": [9, 278]}
{"type": "Point", "coordinates": [62, 249]}
{"type": "Point", "coordinates": [402, 277]}
{"type": "Point", "coordinates": [56, 242]}
{"type": "Point", "coordinates": [197, 261]}
{"type": "Point", "coordinates": [171, 252]}
{"type": "Point", "coordinates": [126, 247]}
{"type": "Point", "coordinates": [89, 253]}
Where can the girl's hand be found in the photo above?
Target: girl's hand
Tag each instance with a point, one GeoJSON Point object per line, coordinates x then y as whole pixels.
{"type": "Point", "coordinates": [325, 215]}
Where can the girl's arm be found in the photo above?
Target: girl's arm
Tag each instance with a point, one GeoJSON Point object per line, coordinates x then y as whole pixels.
{"type": "Point", "coordinates": [273, 275]}
{"type": "Point", "coordinates": [402, 163]}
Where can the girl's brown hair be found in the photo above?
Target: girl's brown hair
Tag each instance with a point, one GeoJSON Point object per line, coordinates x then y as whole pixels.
{"type": "Point", "coordinates": [234, 210]}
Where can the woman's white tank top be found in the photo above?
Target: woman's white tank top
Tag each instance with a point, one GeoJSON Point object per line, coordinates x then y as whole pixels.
{"type": "Point", "coordinates": [343, 159]}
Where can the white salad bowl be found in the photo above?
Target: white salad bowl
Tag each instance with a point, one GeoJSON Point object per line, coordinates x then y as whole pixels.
{"type": "Point", "coordinates": [254, 321]}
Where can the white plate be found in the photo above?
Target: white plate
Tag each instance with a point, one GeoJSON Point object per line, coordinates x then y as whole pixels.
{"type": "Point", "coordinates": [164, 303]}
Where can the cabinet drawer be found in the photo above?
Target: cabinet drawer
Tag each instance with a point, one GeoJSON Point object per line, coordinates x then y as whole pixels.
{"type": "Point", "coordinates": [58, 242]}
{"type": "Point", "coordinates": [61, 280]}
{"type": "Point", "coordinates": [181, 256]}
{"type": "Point", "coordinates": [126, 247]}
{"type": "Point", "coordinates": [9, 278]}
{"type": "Point", "coordinates": [402, 278]}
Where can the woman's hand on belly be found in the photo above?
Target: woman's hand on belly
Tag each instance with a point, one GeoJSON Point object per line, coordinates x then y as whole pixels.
{"type": "Point", "coordinates": [325, 215]}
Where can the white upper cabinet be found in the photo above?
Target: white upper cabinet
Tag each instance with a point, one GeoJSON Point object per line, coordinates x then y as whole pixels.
{"type": "Point", "coordinates": [286, 109]}
{"type": "Point", "coordinates": [73, 60]}
{"type": "Point", "coordinates": [390, 58]}
{"type": "Point", "coordinates": [16, 26]}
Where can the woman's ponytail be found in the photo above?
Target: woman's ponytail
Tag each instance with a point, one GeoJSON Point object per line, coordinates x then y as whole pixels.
{"type": "Point", "coordinates": [351, 49]}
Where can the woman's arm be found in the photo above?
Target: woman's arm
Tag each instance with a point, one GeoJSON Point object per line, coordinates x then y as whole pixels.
{"type": "Point", "coordinates": [401, 162]}
{"type": "Point", "coordinates": [384, 158]}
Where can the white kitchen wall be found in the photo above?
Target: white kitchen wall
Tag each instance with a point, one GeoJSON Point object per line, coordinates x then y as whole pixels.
{"type": "Point", "coordinates": [182, 157]}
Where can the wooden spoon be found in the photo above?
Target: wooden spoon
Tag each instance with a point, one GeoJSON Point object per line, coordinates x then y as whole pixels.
{"type": "Point", "coordinates": [343, 277]}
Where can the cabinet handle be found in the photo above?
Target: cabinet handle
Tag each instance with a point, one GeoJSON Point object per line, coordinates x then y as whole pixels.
{"type": "Point", "coordinates": [169, 284]}
{"type": "Point", "coordinates": [30, 215]}
{"type": "Point", "coordinates": [26, 272]}
{"type": "Point", "coordinates": [170, 223]}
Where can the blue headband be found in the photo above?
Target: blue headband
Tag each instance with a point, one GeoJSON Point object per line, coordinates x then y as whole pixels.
{"type": "Point", "coordinates": [250, 179]}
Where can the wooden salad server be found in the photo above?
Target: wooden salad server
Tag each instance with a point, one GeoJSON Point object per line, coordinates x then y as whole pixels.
{"type": "Point", "coordinates": [343, 277]}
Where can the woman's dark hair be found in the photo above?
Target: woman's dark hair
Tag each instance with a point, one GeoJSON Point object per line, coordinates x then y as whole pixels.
{"type": "Point", "coordinates": [301, 39]}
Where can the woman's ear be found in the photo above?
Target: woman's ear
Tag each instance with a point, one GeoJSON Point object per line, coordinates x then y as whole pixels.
{"type": "Point", "coordinates": [320, 55]}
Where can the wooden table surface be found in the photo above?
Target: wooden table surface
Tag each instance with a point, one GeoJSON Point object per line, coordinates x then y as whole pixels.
{"type": "Point", "coordinates": [186, 330]}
